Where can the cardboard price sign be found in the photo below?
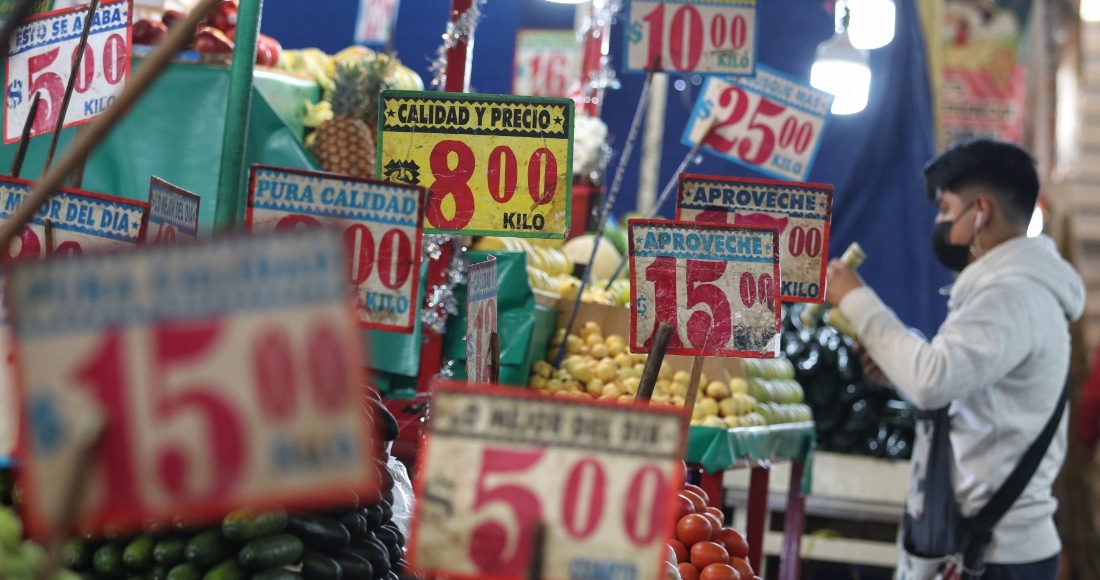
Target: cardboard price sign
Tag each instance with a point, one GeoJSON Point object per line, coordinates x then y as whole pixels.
{"type": "Point", "coordinates": [497, 462]}
{"type": "Point", "coordinates": [227, 372]}
{"type": "Point", "coordinates": [492, 164]}
{"type": "Point", "coordinates": [800, 211]}
{"type": "Point", "coordinates": [380, 222]}
{"type": "Point", "coordinates": [481, 319]}
{"type": "Point", "coordinates": [173, 213]}
{"type": "Point", "coordinates": [715, 284]}
{"type": "Point", "coordinates": [40, 59]}
{"type": "Point", "coordinates": [545, 62]}
{"type": "Point", "coordinates": [768, 122]}
{"type": "Point", "coordinates": [702, 36]}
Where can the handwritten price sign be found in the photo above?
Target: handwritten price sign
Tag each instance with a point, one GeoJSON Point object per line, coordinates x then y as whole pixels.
{"type": "Point", "coordinates": [715, 284]}
{"type": "Point", "coordinates": [768, 122]}
{"type": "Point", "coordinates": [481, 319]}
{"type": "Point", "coordinates": [497, 462]}
{"type": "Point", "coordinates": [380, 223]}
{"type": "Point", "coordinates": [40, 59]}
{"type": "Point", "coordinates": [544, 63]}
{"type": "Point", "coordinates": [493, 164]}
{"type": "Point", "coordinates": [173, 213]}
{"type": "Point", "coordinates": [703, 36]}
{"type": "Point", "coordinates": [800, 211]}
{"type": "Point", "coordinates": [227, 371]}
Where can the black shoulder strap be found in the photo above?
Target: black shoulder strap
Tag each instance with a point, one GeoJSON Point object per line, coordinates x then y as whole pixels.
{"type": "Point", "coordinates": [1007, 495]}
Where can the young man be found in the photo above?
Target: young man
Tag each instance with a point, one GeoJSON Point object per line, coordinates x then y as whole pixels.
{"type": "Point", "coordinates": [998, 363]}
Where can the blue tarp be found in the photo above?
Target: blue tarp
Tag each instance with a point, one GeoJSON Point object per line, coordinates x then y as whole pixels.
{"type": "Point", "coordinates": [873, 158]}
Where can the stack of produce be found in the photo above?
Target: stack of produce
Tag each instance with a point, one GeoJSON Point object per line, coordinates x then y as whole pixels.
{"type": "Point", "coordinates": [551, 266]}
{"type": "Point", "coordinates": [215, 36]}
{"type": "Point", "coordinates": [704, 548]}
{"type": "Point", "coordinates": [853, 415]}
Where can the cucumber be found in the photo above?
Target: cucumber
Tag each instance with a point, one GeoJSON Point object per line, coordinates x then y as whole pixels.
{"type": "Point", "coordinates": [169, 551]}
{"type": "Point", "coordinates": [387, 511]}
{"type": "Point", "coordinates": [319, 532]}
{"type": "Point", "coordinates": [271, 552]}
{"type": "Point", "coordinates": [185, 572]}
{"type": "Point", "coordinates": [139, 553]}
{"type": "Point", "coordinates": [356, 523]}
{"type": "Point", "coordinates": [396, 532]}
{"type": "Point", "coordinates": [107, 560]}
{"type": "Point", "coordinates": [207, 549]}
{"type": "Point", "coordinates": [373, 514]}
{"type": "Point", "coordinates": [76, 554]}
{"type": "Point", "coordinates": [247, 525]}
{"type": "Point", "coordinates": [388, 424]}
{"type": "Point", "coordinates": [317, 566]}
{"type": "Point", "coordinates": [375, 553]}
{"type": "Point", "coordinates": [354, 566]}
{"type": "Point", "coordinates": [159, 573]}
{"type": "Point", "coordinates": [227, 570]}
{"type": "Point", "coordinates": [277, 574]}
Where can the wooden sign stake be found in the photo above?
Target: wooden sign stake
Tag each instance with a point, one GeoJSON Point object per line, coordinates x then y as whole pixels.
{"type": "Point", "coordinates": [653, 363]}
{"type": "Point", "coordinates": [538, 552]}
{"type": "Point", "coordinates": [48, 227]}
{"type": "Point", "coordinates": [75, 490]}
{"type": "Point", "coordinates": [494, 358]}
{"type": "Point", "coordinates": [77, 61]}
{"type": "Point", "coordinates": [177, 39]}
{"type": "Point", "coordinates": [25, 138]}
{"type": "Point", "coordinates": [693, 387]}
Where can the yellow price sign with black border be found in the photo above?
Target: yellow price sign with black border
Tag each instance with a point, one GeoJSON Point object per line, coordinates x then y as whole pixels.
{"type": "Point", "coordinates": [495, 165]}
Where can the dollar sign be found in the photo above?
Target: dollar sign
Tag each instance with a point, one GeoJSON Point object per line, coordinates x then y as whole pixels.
{"type": "Point", "coordinates": [634, 34]}
{"type": "Point", "coordinates": [704, 109]}
{"type": "Point", "coordinates": [641, 306]}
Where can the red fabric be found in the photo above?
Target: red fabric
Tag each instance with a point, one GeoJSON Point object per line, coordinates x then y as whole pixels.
{"type": "Point", "coordinates": [1088, 408]}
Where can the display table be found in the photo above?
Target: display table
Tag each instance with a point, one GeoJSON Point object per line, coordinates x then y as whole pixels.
{"type": "Point", "coordinates": [712, 451]}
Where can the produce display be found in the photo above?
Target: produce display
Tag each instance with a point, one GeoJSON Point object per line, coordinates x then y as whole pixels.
{"type": "Point", "coordinates": [215, 36]}
{"type": "Point", "coordinates": [552, 264]}
{"type": "Point", "coordinates": [704, 548]}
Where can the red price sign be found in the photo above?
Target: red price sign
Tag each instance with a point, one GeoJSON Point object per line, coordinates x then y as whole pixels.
{"type": "Point", "coordinates": [545, 62]}
{"type": "Point", "coordinates": [173, 213]}
{"type": "Point", "coordinates": [497, 462]}
{"type": "Point", "coordinates": [492, 164]}
{"type": "Point", "coordinates": [228, 374]}
{"type": "Point", "coordinates": [769, 122]}
{"type": "Point", "coordinates": [481, 319]}
{"type": "Point", "coordinates": [800, 211]}
{"type": "Point", "coordinates": [704, 36]}
{"type": "Point", "coordinates": [41, 58]}
{"type": "Point", "coordinates": [380, 222]}
{"type": "Point", "coordinates": [717, 285]}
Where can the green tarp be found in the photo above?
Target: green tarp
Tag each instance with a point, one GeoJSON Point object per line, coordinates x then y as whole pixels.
{"type": "Point", "coordinates": [716, 449]}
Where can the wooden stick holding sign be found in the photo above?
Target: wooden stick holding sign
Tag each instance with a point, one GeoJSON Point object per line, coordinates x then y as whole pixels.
{"type": "Point", "coordinates": [78, 60]}
{"type": "Point", "coordinates": [494, 358]}
{"type": "Point", "coordinates": [538, 552]}
{"type": "Point", "coordinates": [25, 138]}
{"type": "Point", "coordinates": [653, 362]}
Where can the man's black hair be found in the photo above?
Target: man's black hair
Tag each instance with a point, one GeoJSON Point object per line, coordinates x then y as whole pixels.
{"type": "Point", "coordinates": [1005, 167]}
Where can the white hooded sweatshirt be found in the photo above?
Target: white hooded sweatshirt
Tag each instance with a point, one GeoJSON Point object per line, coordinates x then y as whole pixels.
{"type": "Point", "coordinates": [1000, 360]}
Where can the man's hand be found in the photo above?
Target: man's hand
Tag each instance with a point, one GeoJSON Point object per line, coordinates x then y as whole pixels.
{"type": "Point", "coordinates": [871, 372]}
{"type": "Point", "coordinates": [840, 281]}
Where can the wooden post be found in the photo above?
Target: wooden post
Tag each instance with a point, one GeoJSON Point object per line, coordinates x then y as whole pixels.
{"type": "Point", "coordinates": [653, 363]}
{"type": "Point", "coordinates": [25, 138]}
{"type": "Point", "coordinates": [77, 61]}
{"type": "Point", "coordinates": [538, 552]}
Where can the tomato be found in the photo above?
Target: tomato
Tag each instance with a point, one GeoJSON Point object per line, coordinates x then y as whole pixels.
{"type": "Point", "coordinates": [683, 506]}
{"type": "Point", "coordinates": [715, 526]}
{"type": "Point", "coordinates": [735, 543]}
{"type": "Point", "coordinates": [698, 490]}
{"type": "Point", "coordinates": [692, 529]}
{"type": "Point", "coordinates": [680, 549]}
{"type": "Point", "coordinates": [696, 500]}
{"type": "Point", "coordinates": [719, 572]}
{"type": "Point", "coordinates": [717, 513]}
{"type": "Point", "coordinates": [688, 572]}
{"type": "Point", "coordinates": [704, 554]}
{"type": "Point", "coordinates": [742, 567]}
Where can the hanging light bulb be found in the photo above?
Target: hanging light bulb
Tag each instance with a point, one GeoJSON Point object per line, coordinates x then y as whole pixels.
{"type": "Point", "coordinates": [841, 69]}
{"type": "Point", "coordinates": [872, 24]}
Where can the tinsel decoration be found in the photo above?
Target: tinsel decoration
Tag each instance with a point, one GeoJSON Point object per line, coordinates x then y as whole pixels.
{"type": "Point", "coordinates": [459, 30]}
{"type": "Point", "coordinates": [598, 19]}
{"type": "Point", "coordinates": [441, 301]}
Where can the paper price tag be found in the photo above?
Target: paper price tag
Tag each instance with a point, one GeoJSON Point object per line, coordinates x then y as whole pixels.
{"type": "Point", "coordinates": [381, 224]}
{"type": "Point", "coordinates": [545, 62]}
{"type": "Point", "coordinates": [497, 462]}
{"type": "Point", "coordinates": [228, 372]}
{"type": "Point", "coordinates": [481, 318]}
{"type": "Point", "coordinates": [173, 213]}
{"type": "Point", "coordinates": [715, 284]}
{"type": "Point", "coordinates": [492, 164]}
{"type": "Point", "coordinates": [800, 211]}
{"type": "Point", "coordinates": [768, 122]}
{"type": "Point", "coordinates": [40, 59]}
{"type": "Point", "coordinates": [702, 36]}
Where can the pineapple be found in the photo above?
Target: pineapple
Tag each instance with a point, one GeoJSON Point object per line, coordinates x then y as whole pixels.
{"type": "Point", "coordinates": [345, 143]}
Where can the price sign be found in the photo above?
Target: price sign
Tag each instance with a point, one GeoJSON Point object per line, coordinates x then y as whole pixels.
{"type": "Point", "coordinates": [493, 164]}
{"type": "Point", "coordinates": [481, 319]}
{"type": "Point", "coordinates": [715, 284]}
{"type": "Point", "coordinates": [703, 36]}
{"type": "Point", "coordinates": [173, 213]}
{"type": "Point", "coordinates": [800, 211]}
{"type": "Point", "coordinates": [496, 462]}
{"type": "Point", "coordinates": [545, 62]}
{"type": "Point", "coordinates": [380, 223]}
{"type": "Point", "coordinates": [40, 59]}
{"type": "Point", "coordinates": [228, 373]}
{"type": "Point", "coordinates": [375, 21]}
{"type": "Point", "coordinates": [769, 122]}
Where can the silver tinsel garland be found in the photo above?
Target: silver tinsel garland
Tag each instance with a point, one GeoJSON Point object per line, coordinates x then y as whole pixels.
{"type": "Point", "coordinates": [441, 301]}
{"type": "Point", "coordinates": [458, 31]}
{"type": "Point", "coordinates": [601, 16]}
